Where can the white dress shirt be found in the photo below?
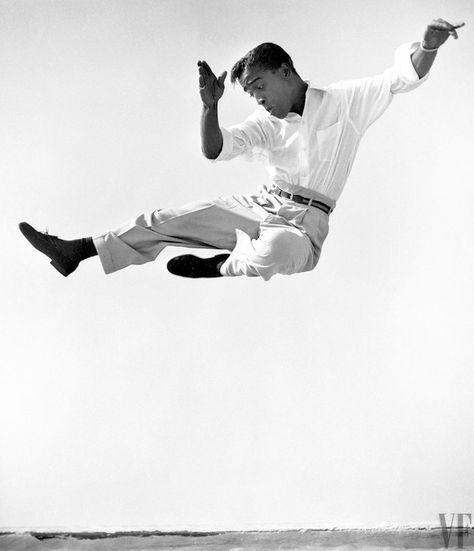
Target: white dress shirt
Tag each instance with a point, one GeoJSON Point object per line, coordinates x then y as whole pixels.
{"type": "Point", "coordinates": [315, 152]}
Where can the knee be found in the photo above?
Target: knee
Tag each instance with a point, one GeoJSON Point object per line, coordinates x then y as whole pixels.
{"type": "Point", "coordinates": [285, 252]}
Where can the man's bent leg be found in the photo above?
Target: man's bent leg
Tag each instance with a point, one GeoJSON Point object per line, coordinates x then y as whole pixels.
{"type": "Point", "coordinates": [282, 247]}
{"type": "Point", "coordinates": [278, 250]}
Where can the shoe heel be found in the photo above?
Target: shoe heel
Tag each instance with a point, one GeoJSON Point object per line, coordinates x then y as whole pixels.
{"type": "Point", "coordinates": [60, 268]}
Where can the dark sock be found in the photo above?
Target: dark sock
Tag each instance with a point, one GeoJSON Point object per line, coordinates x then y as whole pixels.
{"type": "Point", "coordinates": [219, 264]}
{"type": "Point", "coordinates": [86, 248]}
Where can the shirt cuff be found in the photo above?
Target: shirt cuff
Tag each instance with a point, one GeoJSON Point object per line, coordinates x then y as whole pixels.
{"type": "Point", "coordinates": [227, 146]}
{"type": "Point", "coordinates": [404, 65]}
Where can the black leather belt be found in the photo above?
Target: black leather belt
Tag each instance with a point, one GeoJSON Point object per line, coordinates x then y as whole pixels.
{"type": "Point", "coordinates": [303, 200]}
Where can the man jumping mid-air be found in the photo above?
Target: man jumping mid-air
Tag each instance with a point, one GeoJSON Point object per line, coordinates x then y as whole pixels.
{"type": "Point", "coordinates": [308, 138]}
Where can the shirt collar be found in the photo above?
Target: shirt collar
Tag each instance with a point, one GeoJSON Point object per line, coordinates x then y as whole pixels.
{"type": "Point", "coordinates": [293, 117]}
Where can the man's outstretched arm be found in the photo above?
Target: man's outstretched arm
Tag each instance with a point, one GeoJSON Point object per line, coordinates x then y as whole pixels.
{"type": "Point", "coordinates": [211, 90]}
{"type": "Point", "coordinates": [436, 34]}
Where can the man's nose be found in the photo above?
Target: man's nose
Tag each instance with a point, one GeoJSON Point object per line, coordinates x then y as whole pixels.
{"type": "Point", "coordinates": [261, 101]}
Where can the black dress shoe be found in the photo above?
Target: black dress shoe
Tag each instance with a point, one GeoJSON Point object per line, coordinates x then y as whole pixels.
{"type": "Point", "coordinates": [188, 265]}
{"type": "Point", "coordinates": [61, 252]}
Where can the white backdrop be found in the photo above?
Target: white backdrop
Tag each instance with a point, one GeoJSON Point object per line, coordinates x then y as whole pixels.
{"type": "Point", "coordinates": [341, 396]}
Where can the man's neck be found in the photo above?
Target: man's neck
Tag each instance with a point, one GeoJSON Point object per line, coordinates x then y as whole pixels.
{"type": "Point", "coordinates": [300, 96]}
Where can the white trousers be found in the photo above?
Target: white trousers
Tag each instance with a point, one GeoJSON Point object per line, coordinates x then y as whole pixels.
{"type": "Point", "coordinates": [265, 234]}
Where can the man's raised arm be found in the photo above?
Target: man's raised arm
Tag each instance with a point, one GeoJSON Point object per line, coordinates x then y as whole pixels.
{"type": "Point", "coordinates": [211, 90]}
{"type": "Point", "coordinates": [436, 34]}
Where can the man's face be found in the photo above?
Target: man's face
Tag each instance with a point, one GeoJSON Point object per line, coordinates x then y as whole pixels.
{"type": "Point", "coordinates": [271, 88]}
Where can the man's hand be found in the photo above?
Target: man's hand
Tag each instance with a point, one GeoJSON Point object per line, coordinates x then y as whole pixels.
{"type": "Point", "coordinates": [210, 87]}
{"type": "Point", "coordinates": [438, 31]}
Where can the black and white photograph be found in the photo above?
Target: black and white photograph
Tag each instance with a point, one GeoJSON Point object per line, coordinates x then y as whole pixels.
{"type": "Point", "coordinates": [238, 272]}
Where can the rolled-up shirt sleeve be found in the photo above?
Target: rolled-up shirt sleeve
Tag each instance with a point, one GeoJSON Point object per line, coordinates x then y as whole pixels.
{"type": "Point", "coordinates": [227, 146]}
{"type": "Point", "coordinates": [368, 98]}
{"type": "Point", "coordinates": [405, 77]}
{"type": "Point", "coordinates": [247, 139]}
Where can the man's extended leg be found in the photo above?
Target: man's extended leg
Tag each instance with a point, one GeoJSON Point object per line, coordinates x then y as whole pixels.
{"type": "Point", "coordinates": [203, 224]}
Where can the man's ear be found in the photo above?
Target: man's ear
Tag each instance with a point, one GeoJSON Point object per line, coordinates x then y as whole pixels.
{"type": "Point", "coordinates": [285, 71]}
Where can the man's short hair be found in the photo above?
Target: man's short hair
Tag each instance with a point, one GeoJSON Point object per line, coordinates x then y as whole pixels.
{"type": "Point", "coordinates": [267, 55]}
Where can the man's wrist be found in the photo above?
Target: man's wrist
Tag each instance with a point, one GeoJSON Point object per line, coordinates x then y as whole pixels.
{"type": "Point", "coordinates": [211, 107]}
{"type": "Point", "coordinates": [427, 48]}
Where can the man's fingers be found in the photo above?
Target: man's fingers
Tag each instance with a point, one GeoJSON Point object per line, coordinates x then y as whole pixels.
{"type": "Point", "coordinates": [203, 78]}
{"type": "Point", "coordinates": [207, 68]}
{"type": "Point", "coordinates": [453, 25]}
{"type": "Point", "coordinates": [444, 22]}
{"type": "Point", "coordinates": [443, 26]}
{"type": "Point", "coordinates": [204, 69]}
{"type": "Point", "coordinates": [206, 76]}
{"type": "Point", "coordinates": [457, 26]}
{"type": "Point", "coordinates": [446, 25]}
{"type": "Point", "coordinates": [222, 78]}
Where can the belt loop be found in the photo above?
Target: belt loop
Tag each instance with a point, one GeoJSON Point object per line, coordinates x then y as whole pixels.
{"type": "Point", "coordinates": [310, 202]}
